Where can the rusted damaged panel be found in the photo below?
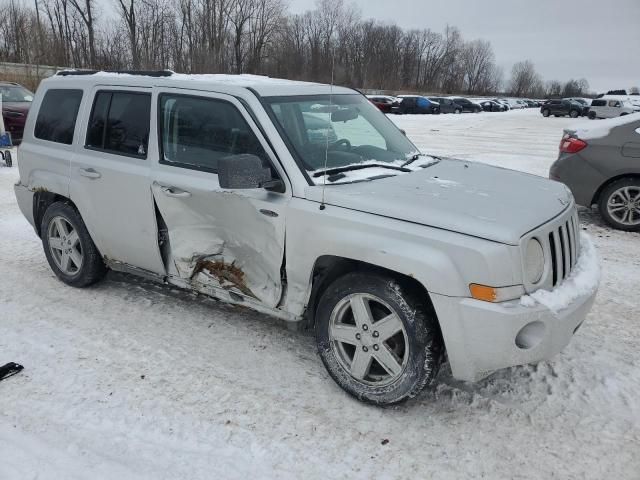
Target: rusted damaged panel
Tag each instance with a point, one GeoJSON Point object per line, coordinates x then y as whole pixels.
{"type": "Point", "coordinates": [219, 238]}
{"type": "Point", "coordinates": [228, 275]}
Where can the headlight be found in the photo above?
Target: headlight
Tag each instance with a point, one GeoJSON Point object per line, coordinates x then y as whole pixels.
{"type": "Point", "coordinates": [534, 261]}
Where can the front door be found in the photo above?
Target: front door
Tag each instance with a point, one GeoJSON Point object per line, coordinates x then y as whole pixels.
{"type": "Point", "coordinates": [218, 240]}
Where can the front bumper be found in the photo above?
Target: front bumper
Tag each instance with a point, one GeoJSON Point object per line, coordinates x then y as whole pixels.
{"type": "Point", "coordinates": [482, 337]}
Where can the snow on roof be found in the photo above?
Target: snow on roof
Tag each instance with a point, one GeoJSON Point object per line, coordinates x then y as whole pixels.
{"type": "Point", "coordinates": [602, 128]}
{"type": "Point", "coordinates": [262, 83]}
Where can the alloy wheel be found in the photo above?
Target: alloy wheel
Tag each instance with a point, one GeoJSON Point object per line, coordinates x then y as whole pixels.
{"type": "Point", "coordinates": [369, 339]}
{"type": "Point", "coordinates": [64, 245]}
{"type": "Point", "coordinates": [624, 205]}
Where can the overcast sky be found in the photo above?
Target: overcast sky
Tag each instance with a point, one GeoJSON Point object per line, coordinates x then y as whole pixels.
{"type": "Point", "coordinates": [595, 39]}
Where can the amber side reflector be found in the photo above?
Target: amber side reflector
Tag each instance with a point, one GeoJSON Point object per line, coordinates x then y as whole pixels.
{"type": "Point", "coordinates": [482, 292]}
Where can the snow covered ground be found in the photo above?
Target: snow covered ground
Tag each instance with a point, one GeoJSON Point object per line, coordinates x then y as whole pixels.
{"type": "Point", "coordinates": [131, 380]}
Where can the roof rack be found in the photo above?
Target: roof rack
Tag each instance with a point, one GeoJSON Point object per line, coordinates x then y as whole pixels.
{"type": "Point", "coordinates": [147, 73]}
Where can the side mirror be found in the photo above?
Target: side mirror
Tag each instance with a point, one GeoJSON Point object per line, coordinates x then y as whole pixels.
{"type": "Point", "coordinates": [404, 132]}
{"type": "Point", "coordinates": [242, 171]}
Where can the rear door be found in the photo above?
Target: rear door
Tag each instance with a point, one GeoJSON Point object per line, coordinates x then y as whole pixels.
{"type": "Point", "coordinates": [219, 240]}
{"type": "Point", "coordinates": [110, 182]}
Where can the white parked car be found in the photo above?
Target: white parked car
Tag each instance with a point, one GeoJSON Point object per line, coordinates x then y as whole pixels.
{"type": "Point", "coordinates": [610, 108]}
{"type": "Point", "coordinates": [398, 260]}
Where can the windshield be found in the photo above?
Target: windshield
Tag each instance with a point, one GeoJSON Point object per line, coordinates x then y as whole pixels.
{"type": "Point", "coordinates": [342, 132]}
{"type": "Point", "coordinates": [15, 93]}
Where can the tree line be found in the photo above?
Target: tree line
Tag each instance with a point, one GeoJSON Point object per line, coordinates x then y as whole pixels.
{"type": "Point", "coordinates": [330, 42]}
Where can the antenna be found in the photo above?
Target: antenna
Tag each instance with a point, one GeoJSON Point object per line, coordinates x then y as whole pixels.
{"type": "Point", "coordinates": [326, 150]}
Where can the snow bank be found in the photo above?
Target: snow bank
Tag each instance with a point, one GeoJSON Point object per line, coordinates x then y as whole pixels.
{"type": "Point", "coordinates": [602, 128]}
{"type": "Point", "coordinates": [584, 280]}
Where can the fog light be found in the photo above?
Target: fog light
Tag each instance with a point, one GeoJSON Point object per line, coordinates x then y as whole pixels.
{"type": "Point", "coordinates": [530, 335]}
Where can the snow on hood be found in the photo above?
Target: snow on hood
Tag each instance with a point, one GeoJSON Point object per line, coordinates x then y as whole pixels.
{"type": "Point", "coordinates": [602, 128]}
{"type": "Point", "coordinates": [471, 198]}
{"type": "Point", "coordinates": [583, 281]}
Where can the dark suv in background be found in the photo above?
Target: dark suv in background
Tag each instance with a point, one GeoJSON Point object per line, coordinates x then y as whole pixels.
{"type": "Point", "coordinates": [562, 107]}
{"type": "Point", "coordinates": [408, 104]}
{"type": "Point", "coordinates": [16, 101]}
{"type": "Point", "coordinates": [447, 105]}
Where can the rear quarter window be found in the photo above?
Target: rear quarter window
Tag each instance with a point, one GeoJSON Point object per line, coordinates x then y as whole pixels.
{"type": "Point", "coordinates": [56, 121]}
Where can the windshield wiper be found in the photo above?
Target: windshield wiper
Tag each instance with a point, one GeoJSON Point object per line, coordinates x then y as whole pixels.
{"type": "Point", "coordinates": [348, 168]}
{"type": "Point", "coordinates": [417, 156]}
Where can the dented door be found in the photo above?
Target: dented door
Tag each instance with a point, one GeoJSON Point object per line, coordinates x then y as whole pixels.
{"type": "Point", "coordinates": [215, 238]}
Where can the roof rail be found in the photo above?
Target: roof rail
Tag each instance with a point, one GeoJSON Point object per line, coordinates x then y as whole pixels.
{"type": "Point", "coordinates": [147, 73]}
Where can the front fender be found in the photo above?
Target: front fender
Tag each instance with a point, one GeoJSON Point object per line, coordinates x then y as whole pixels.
{"type": "Point", "coordinates": [443, 262]}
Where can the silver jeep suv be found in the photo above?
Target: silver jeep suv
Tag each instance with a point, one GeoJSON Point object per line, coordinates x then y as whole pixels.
{"type": "Point", "coordinates": [221, 184]}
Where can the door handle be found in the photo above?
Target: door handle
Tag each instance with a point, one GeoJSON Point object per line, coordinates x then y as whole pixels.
{"type": "Point", "coordinates": [89, 173]}
{"type": "Point", "coordinates": [175, 192]}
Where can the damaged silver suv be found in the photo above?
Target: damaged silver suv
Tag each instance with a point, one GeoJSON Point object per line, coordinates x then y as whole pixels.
{"type": "Point", "coordinates": [303, 201]}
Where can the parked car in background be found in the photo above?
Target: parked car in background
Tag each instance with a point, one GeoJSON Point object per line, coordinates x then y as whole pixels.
{"type": "Point", "coordinates": [516, 103]}
{"type": "Point", "coordinates": [467, 105]}
{"type": "Point", "coordinates": [209, 183]}
{"type": "Point", "coordinates": [16, 101]}
{"type": "Point", "coordinates": [414, 104]}
{"type": "Point", "coordinates": [604, 108]}
{"type": "Point", "coordinates": [491, 106]}
{"type": "Point", "coordinates": [504, 102]}
{"type": "Point", "coordinates": [447, 105]}
{"type": "Point", "coordinates": [601, 166]}
{"type": "Point", "coordinates": [585, 102]}
{"type": "Point", "coordinates": [383, 102]}
{"type": "Point", "coordinates": [561, 108]}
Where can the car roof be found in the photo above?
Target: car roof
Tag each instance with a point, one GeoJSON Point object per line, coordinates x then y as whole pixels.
{"type": "Point", "coordinates": [232, 84]}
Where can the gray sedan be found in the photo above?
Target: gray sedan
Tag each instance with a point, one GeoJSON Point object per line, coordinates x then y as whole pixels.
{"type": "Point", "coordinates": [601, 165]}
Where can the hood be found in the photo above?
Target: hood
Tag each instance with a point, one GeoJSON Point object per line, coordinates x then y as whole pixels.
{"type": "Point", "coordinates": [466, 197]}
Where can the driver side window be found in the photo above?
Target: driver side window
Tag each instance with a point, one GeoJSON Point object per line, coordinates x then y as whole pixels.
{"type": "Point", "coordinates": [196, 132]}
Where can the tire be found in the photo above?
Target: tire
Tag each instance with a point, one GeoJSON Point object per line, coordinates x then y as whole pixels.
{"type": "Point", "coordinates": [416, 347]}
{"type": "Point", "coordinates": [612, 200]}
{"type": "Point", "coordinates": [546, 113]}
{"type": "Point", "coordinates": [457, 111]}
{"type": "Point", "coordinates": [60, 222]}
{"type": "Point", "coordinates": [8, 161]}
{"type": "Point", "coordinates": [592, 115]}
{"type": "Point", "coordinates": [623, 114]}
{"type": "Point", "coordinates": [574, 114]}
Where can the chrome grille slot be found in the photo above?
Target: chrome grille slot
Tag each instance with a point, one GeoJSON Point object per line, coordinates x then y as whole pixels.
{"type": "Point", "coordinates": [560, 239]}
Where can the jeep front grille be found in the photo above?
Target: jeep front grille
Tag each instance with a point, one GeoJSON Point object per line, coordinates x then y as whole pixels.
{"type": "Point", "coordinates": [563, 248]}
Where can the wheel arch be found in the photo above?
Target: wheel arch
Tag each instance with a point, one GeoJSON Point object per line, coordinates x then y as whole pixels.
{"type": "Point", "coordinates": [43, 200]}
{"type": "Point", "coordinates": [328, 268]}
{"type": "Point", "coordinates": [609, 181]}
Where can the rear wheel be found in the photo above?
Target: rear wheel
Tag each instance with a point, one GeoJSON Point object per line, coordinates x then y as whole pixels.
{"type": "Point", "coordinates": [546, 113]}
{"type": "Point", "coordinates": [592, 115]}
{"type": "Point", "coordinates": [619, 204]}
{"type": "Point", "coordinates": [457, 111]}
{"type": "Point", "coordinates": [8, 161]}
{"type": "Point", "coordinates": [377, 339]}
{"type": "Point", "coordinates": [69, 249]}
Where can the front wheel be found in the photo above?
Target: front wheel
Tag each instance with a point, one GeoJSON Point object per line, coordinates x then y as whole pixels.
{"type": "Point", "coordinates": [69, 249]}
{"type": "Point", "coordinates": [546, 113]}
{"type": "Point", "coordinates": [8, 161]}
{"type": "Point", "coordinates": [619, 204]}
{"type": "Point", "coordinates": [457, 111]}
{"type": "Point", "coordinates": [378, 340]}
{"type": "Point", "coordinates": [592, 115]}
{"type": "Point", "coordinates": [574, 114]}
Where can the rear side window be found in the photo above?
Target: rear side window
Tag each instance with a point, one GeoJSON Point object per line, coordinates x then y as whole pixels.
{"type": "Point", "coordinates": [119, 123]}
{"type": "Point", "coordinates": [57, 116]}
{"type": "Point", "coordinates": [599, 103]}
{"type": "Point", "coordinates": [196, 132]}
